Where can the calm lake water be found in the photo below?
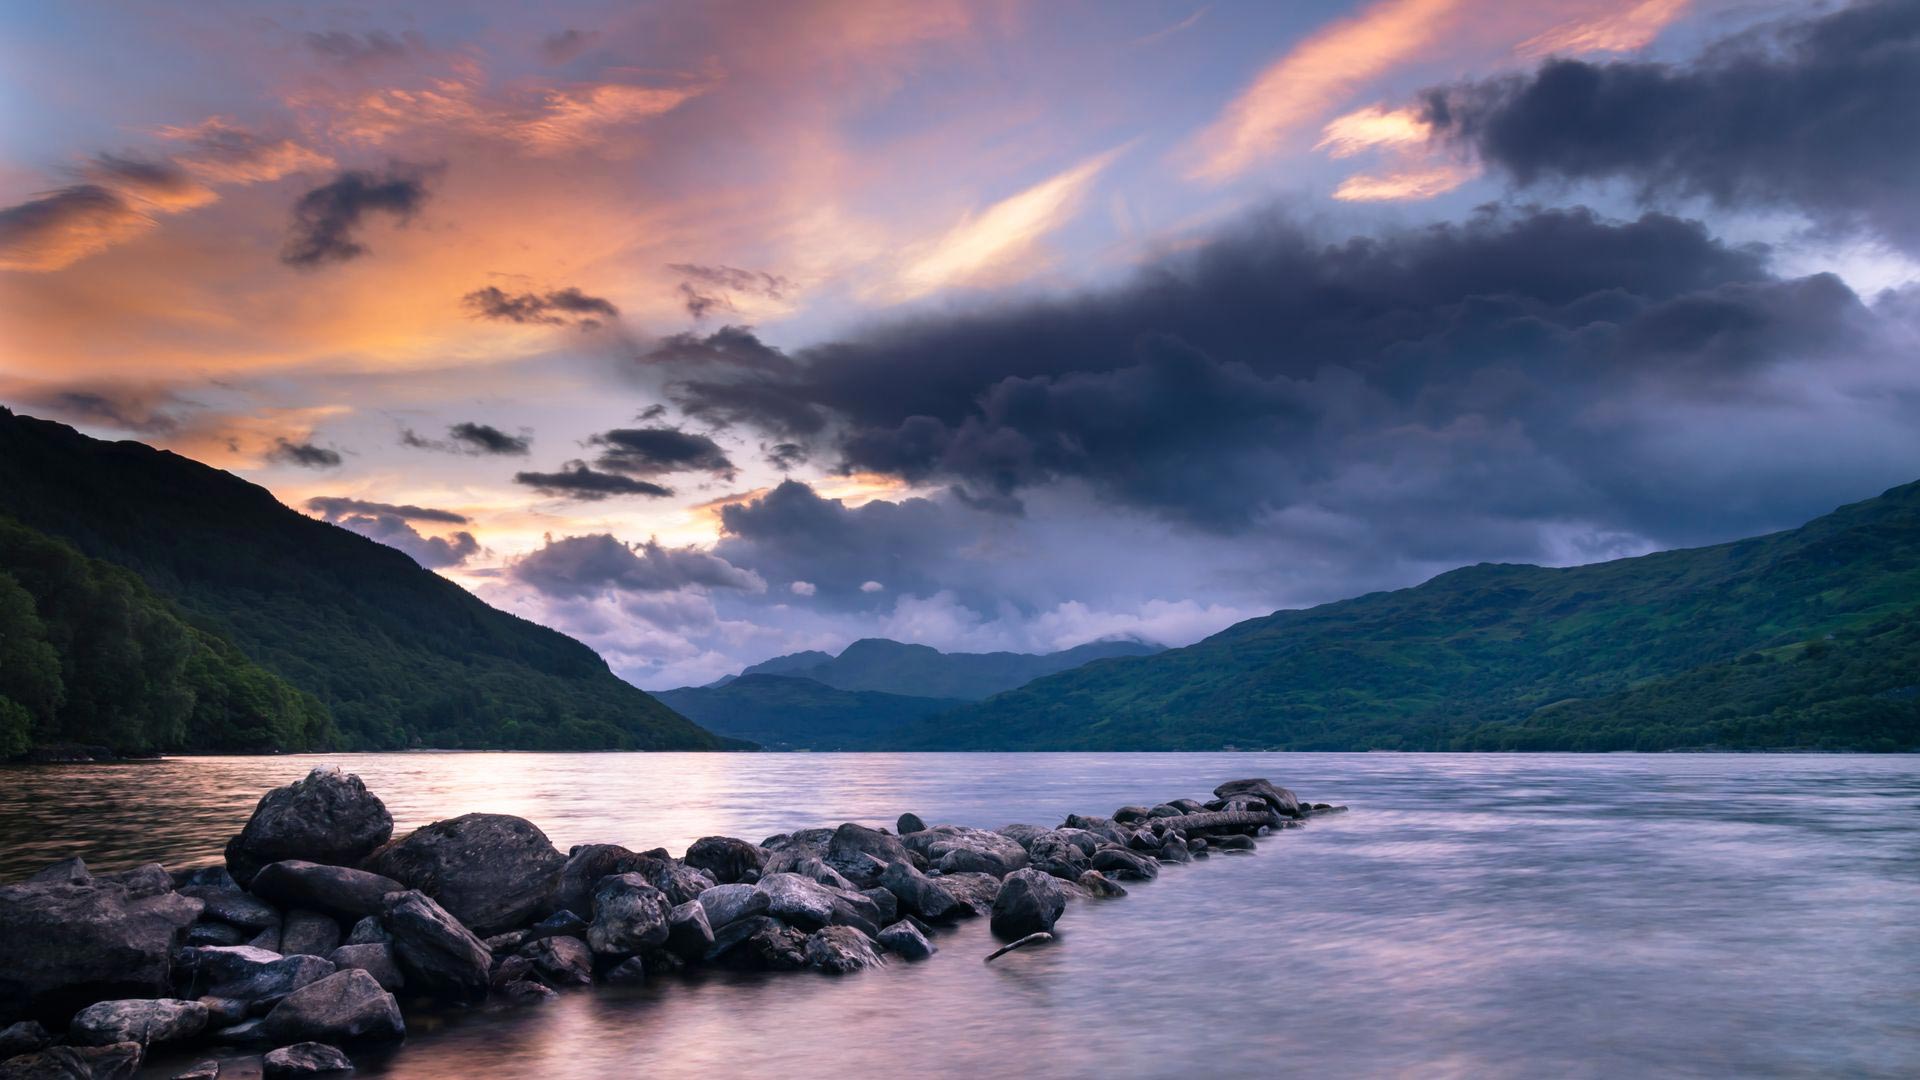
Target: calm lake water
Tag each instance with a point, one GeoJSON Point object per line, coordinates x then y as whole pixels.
{"type": "Point", "coordinates": [1474, 916]}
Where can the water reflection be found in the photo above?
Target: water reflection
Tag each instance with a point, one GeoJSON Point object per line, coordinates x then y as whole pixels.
{"type": "Point", "coordinates": [1476, 916]}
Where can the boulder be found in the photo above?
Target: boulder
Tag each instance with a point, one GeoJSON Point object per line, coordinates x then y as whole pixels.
{"type": "Point", "coordinates": [804, 862]}
{"type": "Point", "coordinates": [629, 916]}
{"type": "Point", "coordinates": [141, 1020]}
{"type": "Point", "coordinates": [1282, 801]}
{"type": "Point", "coordinates": [838, 950]}
{"type": "Point", "coordinates": [120, 1061]}
{"type": "Point", "coordinates": [305, 1059]}
{"type": "Point", "coordinates": [861, 853]}
{"type": "Point", "coordinates": [151, 879]}
{"type": "Point", "coordinates": [244, 973]}
{"type": "Point", "coordinates": [1053, 853]}
{"type": "Point", "coordinates": [437, 956]}
{"type": "Point", "coordinates": [1127, 815]}
{"type": "Point", "coordinates": [918, 894]}
{"type": "Point", "coordinates": [309, 933]}
{"type": "Point", "coordinates": [1030, 901]}
{"type": "Point", "coordinates": [66, 945]}
{"type": "Point", "coordinates": [886, 906]}
{"type": "Point", "coordinates": [337, 890]}
{"type": "Point", "coordinates": [1233, 843]}
{"type": "Point", "coordinates": [345, 1007]}
{"type": "Point", "coordinates": [975, 891]}
{"type": "Point", "coordinates": [1128, 865]}
{"type": "Point", "coordinates": [217, 933]}
{"type": "Point", "coordinates": [527, 992]}
{"type": "Point", "coordinates": [200, 1070]}
{"type": "Point", "coordinates": [69, 871]}
{"type": "Point", "coordinates": [798, 900]}
{"type": "Point", "coordinates": [1087, 842]}
{"type": "Point", "coordinates": [759, 943]}
{"type": "Point", "coordinates": [958, 849]}
{"type": "Point", "coordinates": [25, 1037]}
{"type": "Point", "coordinates": [905, 940]}
{"type": "Point", "coordinates": [212, 877]}
{"type": "Point", "coordinates": [376, 959]}
{"type": "Point", "coordinates": [327, 817]}
{"type": "Point", "coordinates": [1100, 885]}
{"type": "Point", "coordinates": [368, 931]}
{"type": "Point", "coordinates": [585, 865]}
{"type": "Point", "coordinates": [223, 1012]}
{"type": "Point", "coordinates": [561, 961]}
{"type": "Point", "coordinates": [629, 972]}
{"type": "Point", "coordinates": [909, 823]}
{"type": "Point", "coordinates": [493, 872]}
{"type": "Point", "coordinates": [729, 903]}
{"type": "Point", "coordinates": [1174, 851]}
{"type": "Point", "coordinates": [727, 860]}
{"type": "Point", "coordinates": [689, 935]}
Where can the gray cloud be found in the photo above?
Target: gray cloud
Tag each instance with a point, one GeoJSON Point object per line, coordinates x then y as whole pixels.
{"type": "Point", "coordinates": [326, 218]}
{"type": "Point", "coordinates": [558, 307]}
{"type": "Point", "coordinates": [706, 289]}
{"type": "Point", "coordinates": [304, 454]}
{"type": "Point", "coordinates": [792, 533]}
{"type": "Point", "coordinates": [473, 439]}
{"type": "Point", "coordinates": [335, 507]}
{"type": "Point", "coordinates": [576, 481]}
{"type": "Point", "coordinates": [432, 552]}
{"type": "Point", "coordinates": [658, 451]}
{"type": "Point", "coordinates": [1814, 113]}
{"type": "Point", "coordinates": [563, 45]}
{"type": "Point", "coordinates": [356, 50]}
{"type": "Point", "coordinates": [579, 566]}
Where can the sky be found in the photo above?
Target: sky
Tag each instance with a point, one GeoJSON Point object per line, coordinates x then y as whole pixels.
{"type": "Point", "coordinates": [708, 333]}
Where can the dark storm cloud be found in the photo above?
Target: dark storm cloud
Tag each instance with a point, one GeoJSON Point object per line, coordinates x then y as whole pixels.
{"type": "Point", "coordinates": [729, 346]}
{"type": "Point", "coordinates": [432, 552]}
{"type": "Point", "coordinates": [705, 289]}
{"type": "Point", "coordinates": [580, 566]}
{"type": "Point", "coordinates": [356, 50]}
{"type": "Point", "coordinates": [786, 456]}
{"type": "Point", "coordinates": [148, 410]}
{"type": "Point", "coordinates": [1816, 114]}
{"type": "Point", "coordinates": [304, 454]}
{"type": "Point", "coordinates": [792, 533]}
{"type": "Point", "coordinates": [576, 481]}
{"type": "Point", "coordinates": [658, 451]}
{"type": "Point", "coordinates": [325, 219]}
{"type": "Point", "coordinates": [556, 308]}
{"type": "Point", "coordinates": [1441, 384]}
{"type": "Point", "coordinates": [472, 439]}
{"type": "Point", "coordinates": [335, 507]}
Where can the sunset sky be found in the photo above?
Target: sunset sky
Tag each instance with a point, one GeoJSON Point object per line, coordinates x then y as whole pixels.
{"type": "Point", "coordinates": [709, 332]}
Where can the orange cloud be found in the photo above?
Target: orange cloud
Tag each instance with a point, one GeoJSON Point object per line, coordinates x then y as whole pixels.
{"type": "Point", "coordinates": [1404, 185]}
{"type": "Point", "coordinates": [1618, 31]}
{"type": "Point", "coordinates": [1372, 127]}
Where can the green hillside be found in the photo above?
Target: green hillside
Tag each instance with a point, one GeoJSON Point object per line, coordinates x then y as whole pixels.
{"type": "Point", "coordinates": [783, 712]}
{"type": "Point", "coordinates": [894, 667]}
{"type": "Point", "coordinates": [399, 656]}
{"type": "Point", "coordinates": [1800, 639]}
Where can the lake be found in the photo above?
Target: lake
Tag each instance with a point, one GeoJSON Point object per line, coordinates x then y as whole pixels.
{"type": "Point", "coordinates": [1473, 916]}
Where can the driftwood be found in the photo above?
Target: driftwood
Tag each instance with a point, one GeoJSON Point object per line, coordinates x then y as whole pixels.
{"type": "Point", "coordinates": [1218, 821]}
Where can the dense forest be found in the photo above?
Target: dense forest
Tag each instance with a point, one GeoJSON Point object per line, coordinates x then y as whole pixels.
{"type": "Point", "coordinates": [1808, 639]}
{"type": "Point", "coordinates": [90, 656]}
{"type": "Point", "coordinates": [396, 655]}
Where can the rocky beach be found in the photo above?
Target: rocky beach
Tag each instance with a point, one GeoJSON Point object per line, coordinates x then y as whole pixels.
{"type": "Point", "coordinates": [321, 934]}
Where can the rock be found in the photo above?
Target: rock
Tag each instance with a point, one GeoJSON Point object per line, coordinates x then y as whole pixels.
{"type": "Point", "coordinates": [200, 1070]}
{"type": "Point", "coordinates": [119, 1061]}
{"type": "Point", "coordinates": [958, 849]}
{"type": "Point", "coordinates": [493, 872]}
{"type": "Point", "coordinates": [886, 906]}
{"type": "Point", "coordinates": [855, 909]}
{"type": "Point", "coordinates": [1100, 885]}
{"type": "Point", "coordinates": [728, 903]}
{"type": "Point", "coordinates": [584, 867]}
{"type": "Point", "coordinates": [375, 958]}
{"type": "Point", "coordinates": [368, 931]}
{"type": "Point", "coordinates": [1234, 843]}
{"type": "Point", "coordinates": [327, 817]}
{"type": "Point", "coordinates": [1087, 842]}
{"type": "Point", "coordinates": [759, 943]}
{"type": "Point", "coordinates": [151, 879]}
{"type": "Point", "coordinates": [437, 956]}
{"type": "Point", "coordinates": [345, 1007]}
{"type": "Point", "coordinates": [629, 972]}
{"type": "Point", "coordinates": [247, 974]}
{"type": "Point", "coordinates": [338, 890]}
{"type": "Point", "coordinates": [798, 900]}
{"type": "Point", "coordinates": [803, 862]}
{"type": "Point", "coordinates": [689, 935]}
{"type": "Point", "coordinates": [1052, 853]}
{"type": "Point", "coordinates": [1281, 800]}
{"type": "Point", "coordinates": [1021, 834]}
{"type": "Point", "coordinates": [1030, 939]}
{"type": "Point", "coordinates": [140, 1020]}
{"type": "Point", "coordinates": [861, 853]}
{"type": "Point", "coordinates": [268, 939]}
{"type": "Point", "coordinates": [918, 894]}
{"type": "Point", "coordinates": [212, 877]}
{"type": "Point", "coordinates": [223, 1012]}
{"type": "Point", "coordinates": [839, 950]}
{"type": "Point", "coordinates": [1030, 901]}
{"type": "Point", "coordinates": [305, 1059]}
{"type": "Point", "coordinates": [727, 860]}
{"type": "Point", "coordinates": [1127, 815]}
{"type": "Point", "coordinates": [1174, 851]}
{"type": "Point", "coordinates": [1128, 865]}
{"type": "Point", "coordinates": [1187, 806]}
{"type": "Point", "coordinates": [66, 945]}
{"type": "Point", "coordinates": [70, 871]}
{"type": "Point", "coordinates": [527, 992]}
{"type": "Point", "coordinates": [562, 961]}
{"type": "Point", "coordinates": [562, 923]}
{"type": "Point", "coordinates": [217, 933]}
{"type": "Point", "coordinates": [25, 1037]}
{"type": "Point", "coordinates": [629, 915]}
{"type": "Point", "coordinates": [905, 940]}
{"type": "Point", "coordinates": [909, 823]}
{"type": "Point", "coordinates": [309, 933]}
{"type": "Point", "coordinates": [975, 891]}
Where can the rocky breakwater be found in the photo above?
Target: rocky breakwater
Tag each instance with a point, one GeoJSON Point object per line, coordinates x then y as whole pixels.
{"type": "Point", "coordinates": [322, 931]}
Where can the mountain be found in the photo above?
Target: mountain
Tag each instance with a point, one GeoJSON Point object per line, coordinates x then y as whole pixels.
{"type": "Point", "coordinates": [398, 655]}
{"type": "Point", "coordinates": [785, 712]}
{"type": "Point", "coordinates": [1808, 638]}
{"type": "Point", "coordinates": [892, 667]}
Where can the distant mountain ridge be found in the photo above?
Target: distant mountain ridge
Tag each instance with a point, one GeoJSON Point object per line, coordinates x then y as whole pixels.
{"type": "Point", "coordinates": [396, 654]}
{"type": "Point", "coordinates": [786, 712]}
{"type": "Point", "coordinates": [1808, 638]}
{"type": "Point", "coordinates": [893, 667]}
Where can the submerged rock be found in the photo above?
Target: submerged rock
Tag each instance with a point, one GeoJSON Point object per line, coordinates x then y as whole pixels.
{"type": "Point", "coordinates": [493, 872]}
{"type": "Point", "coordinates": [327, 817]}
{"type": "Point", "coordinates": [438, 956]}
{"type": "Point", "coordinates": [68, 943]}
{"type": "Point", "coordinates": [144, 1021]}
{"type": "Point", "coordinates": [839, 950]}
{"type": "Point", "coordinates": [1029, 902]}
{"type": "Point", "coordinates": [345, 1007]}
{"type": "Point", "coordinates": [1100, 885]}
{"type": "Point", "coordinates": [305, 1059]}
{"type": "Point", "coordinates": [906, 941]}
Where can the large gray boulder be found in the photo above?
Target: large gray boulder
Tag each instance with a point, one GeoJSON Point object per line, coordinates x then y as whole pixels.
{"type": "Point", "coordinates": [236, 908]}
{"type": "Point", "coordinates": [973, 889]}
{"type": "Point", "coordinates": [726, 859]}
{"type": "Point", "coordinates": [1030, 902]}
{"type": "Point", "coordinates": [375, 958]}
{"type": "Point", "coordinates": [689, 934]}
{"type": "Point", "coordinates": [309, 933]}
{"type": "Point", "coordinates": [345, 1007]}
{"type": "Point", "coordinates": [562, 960]}
{"type": "Point", "coordinates": [1282, 801]}
{"type": "Point", "coordinates": [1054, 853]}
{"type": "Point", "coordinates": [327, 817]}
{"type": "Point", "coordinates": [905, 940]}
{"type": "Point", "coordinates": [759, 943]}
{"type": "Point", "coordinates": [65, 945]}
{"type": "Point", "coordinates": [305, 1059]}
{"type": "Point", "coordinates": [493, 872]}
{"type": "Point", "coordinates": [629, 916]}
{"type": "Point", "coordinates": [958, 849]}
{"type": "Point", "coordinates": [245, 973]}
{"type": "Point", "coordinates": [1128, 865]}
{"type": "Point", "coordinates": [918, 894]}
{"type": "Point", "coordinates": [439, 957]}
{"type": "Point", "coordinates": [861, 853]}
{"type": "Point", "coordinates": [838, 950]}
{"type": "Point", "coordinates": [726, 904]}
{"type": "Point", "coordinates": [798, 900]}
{"type": "Point", "coordinates": [337, 890]}
{"type": "Point", "coordinates": [140, 1020]}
